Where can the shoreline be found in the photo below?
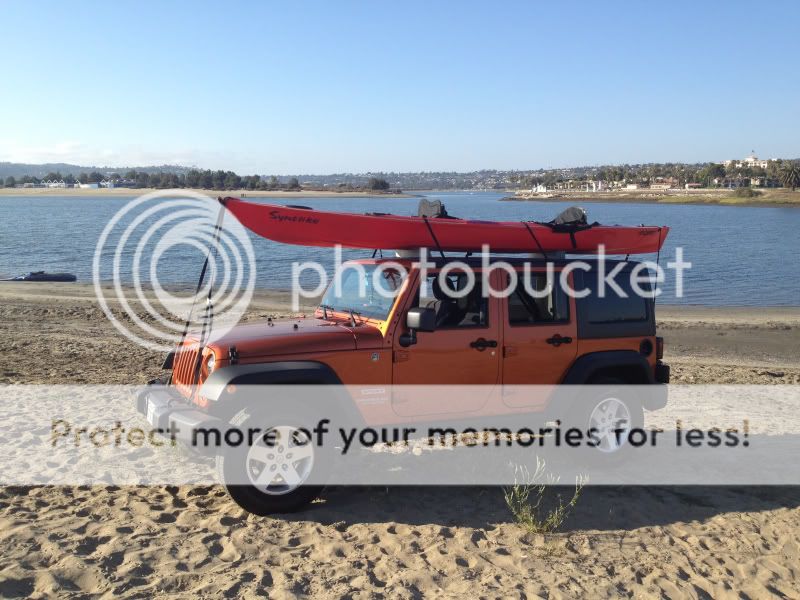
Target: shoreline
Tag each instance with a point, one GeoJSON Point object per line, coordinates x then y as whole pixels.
{"type": "Point", "coordinates": [84, 291]}
{"type": "Point", "coordinates": [134, 192]}
{"type": "Point", "coordinates": [771, 198]}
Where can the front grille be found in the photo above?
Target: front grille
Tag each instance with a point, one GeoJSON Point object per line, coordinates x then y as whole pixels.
{"type": "Point", "coordinates": [183, 369]}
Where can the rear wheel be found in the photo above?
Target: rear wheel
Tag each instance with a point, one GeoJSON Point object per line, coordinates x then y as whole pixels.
{"type": "Point", "coordinates": [609, 416]}
{"type": "Point", "coordinates": [272, 474]}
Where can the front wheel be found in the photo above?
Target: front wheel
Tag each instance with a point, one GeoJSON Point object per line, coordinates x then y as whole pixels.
{"type": "Point", "coordinates": [272, 474]}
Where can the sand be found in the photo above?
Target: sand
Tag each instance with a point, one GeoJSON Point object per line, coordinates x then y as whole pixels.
{"type": "Point", "coordinates": [146, 542]}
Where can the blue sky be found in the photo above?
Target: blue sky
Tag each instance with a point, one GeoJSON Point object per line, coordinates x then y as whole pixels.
{"type": "Point", "coordinates": [339, 86]}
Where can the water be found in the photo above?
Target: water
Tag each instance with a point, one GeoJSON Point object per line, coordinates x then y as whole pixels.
{"type": "Point", "coordinates": [740, 255]}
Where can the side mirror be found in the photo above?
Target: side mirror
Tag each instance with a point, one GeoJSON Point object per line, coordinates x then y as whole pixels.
{"type": "Point", "coordinates": [421, 319]}
{"type": "Point", "coordinates": [417, 319]}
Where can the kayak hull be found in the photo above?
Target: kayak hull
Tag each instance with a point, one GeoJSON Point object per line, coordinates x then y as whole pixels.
{"type": "Point", "coordinates": [309, 227]}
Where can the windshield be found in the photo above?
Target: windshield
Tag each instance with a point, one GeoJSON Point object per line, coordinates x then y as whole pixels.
{"type": "Point", "coordinates": [366, 290]}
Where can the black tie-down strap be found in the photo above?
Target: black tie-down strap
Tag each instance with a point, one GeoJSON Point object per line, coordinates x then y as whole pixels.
{"type": "Point", "coordinates": [433, 236]}
{"type": "Point", "coordinates": [569, 228]}
{"type": "Point", "coordinates": [536, 240]}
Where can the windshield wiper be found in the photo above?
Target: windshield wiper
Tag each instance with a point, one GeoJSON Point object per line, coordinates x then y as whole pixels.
{"type": "Point", "coordinates": [352, 312]}
{"type": "Point", "coordinates": [325, 308]}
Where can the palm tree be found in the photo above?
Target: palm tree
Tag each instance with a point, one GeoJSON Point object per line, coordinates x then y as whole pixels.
{"type": "Point", "coordinates": [790, 176]}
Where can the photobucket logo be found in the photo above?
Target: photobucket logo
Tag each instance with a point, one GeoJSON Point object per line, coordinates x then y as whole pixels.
{"type": "Point", "coordinates": [601, 277]}
{"type": "Point", "coordinates": [153, 240]}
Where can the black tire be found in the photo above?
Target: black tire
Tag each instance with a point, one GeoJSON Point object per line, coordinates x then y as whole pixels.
{"type": "Point", "coordinates": [583, 416]}
{"type": "Point", "coordinates": [235, 467]}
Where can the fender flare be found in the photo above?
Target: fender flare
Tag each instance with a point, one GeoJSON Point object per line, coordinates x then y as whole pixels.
{"type": "Point", "coordinates": [588, 365]}
{"type": "Point", "coordinates": [273, 373]}
{"type": "Point", "coordinates": [215, 388]}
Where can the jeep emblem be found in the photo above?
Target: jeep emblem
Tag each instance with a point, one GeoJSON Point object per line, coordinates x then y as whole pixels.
{"type": "Point", "coordinates": [375, 357]}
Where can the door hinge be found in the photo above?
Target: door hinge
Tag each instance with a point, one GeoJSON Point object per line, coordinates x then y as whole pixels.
{"type": "Point", "coordinates": [509, 351]}
{"type": "Point", "coordinates": [400, 356]}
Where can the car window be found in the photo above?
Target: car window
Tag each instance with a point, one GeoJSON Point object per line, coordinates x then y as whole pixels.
{"type": "Point", "coordinates": [365, 292]}
{"type": "Point", "coordinates": [613, 307]}
{"type": "Point", "coordinates": [537, 302]}
{"type": "Point", "coordinates": [451, 312]}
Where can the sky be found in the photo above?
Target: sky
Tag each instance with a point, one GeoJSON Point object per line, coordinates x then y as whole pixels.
{"type": "Point", "coordinates": [325, 87]}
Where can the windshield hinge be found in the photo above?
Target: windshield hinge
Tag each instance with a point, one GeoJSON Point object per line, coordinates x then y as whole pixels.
{"type": "Point", "coordinates": [233, 355]}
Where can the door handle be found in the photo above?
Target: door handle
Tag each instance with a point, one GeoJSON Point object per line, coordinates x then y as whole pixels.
{"type": "Point", "coordinates": [557, 340]}
{"type": "Point", "coordinates": [482, 344]}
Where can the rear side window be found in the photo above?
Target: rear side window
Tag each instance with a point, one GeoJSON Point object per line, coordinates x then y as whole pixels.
{"type": "Point", "coordinates": [616, 309]}
{"type": "Point", "coordinates": [614, 314]}
{"type": "Point", "coordinates": [538, 302]}
{"type": "Point", "coordinates": [611, 306]}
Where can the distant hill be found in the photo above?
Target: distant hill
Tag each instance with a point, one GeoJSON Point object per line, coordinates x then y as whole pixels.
{"type": "Point", "coordinates": [9, 169]}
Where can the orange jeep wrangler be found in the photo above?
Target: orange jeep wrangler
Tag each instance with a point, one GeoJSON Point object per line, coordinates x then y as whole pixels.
{"type": "Point", "coordinates": [424, 335]}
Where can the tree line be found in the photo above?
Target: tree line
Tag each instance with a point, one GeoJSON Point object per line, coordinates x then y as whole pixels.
{"type": "Point", "coordinates": [194, 178]}
{"type": "Point", "coordinates": [707, 175]}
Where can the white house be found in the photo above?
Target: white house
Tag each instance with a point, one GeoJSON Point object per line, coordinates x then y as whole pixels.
{"type": "Point", "coordinates": [751, 162]}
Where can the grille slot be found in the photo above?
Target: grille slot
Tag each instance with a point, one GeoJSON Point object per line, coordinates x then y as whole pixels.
{"type": "Point", "coordinates": [183, 372]}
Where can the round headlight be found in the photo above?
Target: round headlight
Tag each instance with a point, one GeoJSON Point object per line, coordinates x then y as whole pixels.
{"type": "Point", "coordinates": [210, 362]}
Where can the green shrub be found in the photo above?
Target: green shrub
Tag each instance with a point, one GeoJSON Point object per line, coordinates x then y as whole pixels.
{"type": "Point", "coordinates": [526, 500]}
{"type": "Point", "coordinates": [746, 192]}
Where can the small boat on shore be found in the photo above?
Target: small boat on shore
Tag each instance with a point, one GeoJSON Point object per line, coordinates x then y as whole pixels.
{"type": "Point", "coordinates": [42, 276]}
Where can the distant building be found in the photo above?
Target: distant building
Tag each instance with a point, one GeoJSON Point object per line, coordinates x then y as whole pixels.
{"type": "Point", "coordinates": [752, 162]}
{"type": "Point", "coordinates": [594, 186]}
{"type": "Point", "coordinates": [660, 186]}
{"type": "Point", "coordinates": [90, 186]}
{"type": "Point", "coordinates": [693, 186]}
{"type": "Point", "coordinates": [633, 186]}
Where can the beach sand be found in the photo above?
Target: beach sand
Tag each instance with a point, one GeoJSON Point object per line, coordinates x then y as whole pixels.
{"type": "Point", "coordinates": [146, 542]}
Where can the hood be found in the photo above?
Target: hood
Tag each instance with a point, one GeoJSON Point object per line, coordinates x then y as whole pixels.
{"type": "Point", "coordinates": [296, 336]}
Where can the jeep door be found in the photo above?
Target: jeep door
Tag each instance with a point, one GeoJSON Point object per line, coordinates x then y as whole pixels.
{"type": "Point", "coordinates": [539, 337]}
{"type": "Point", "coordinates": [463, 350]}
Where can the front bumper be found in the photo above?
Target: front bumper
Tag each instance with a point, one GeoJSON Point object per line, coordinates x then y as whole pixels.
{"type": "Point", "coordinates": [171, 415]}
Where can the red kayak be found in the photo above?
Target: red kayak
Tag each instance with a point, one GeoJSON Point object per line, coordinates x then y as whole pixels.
{"type": "Point", "coordinates": [309, 227]}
